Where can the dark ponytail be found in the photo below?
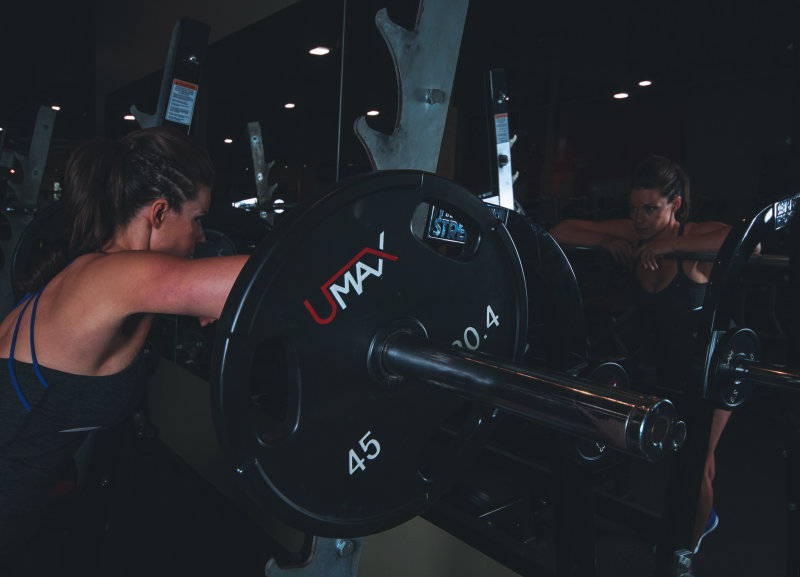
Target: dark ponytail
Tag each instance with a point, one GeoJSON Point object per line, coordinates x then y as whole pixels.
{"type": "Point", "coordinates": [85, 194]}
{"type": "Point", "coordinates": [43, 247]}
{"type": "Point", "coordinates": [664, 174]}
{"type": "Point", "coordinates": [44, 259]}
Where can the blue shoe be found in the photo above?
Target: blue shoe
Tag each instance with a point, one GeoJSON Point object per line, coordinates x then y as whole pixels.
{"type": "Point", "coordinates": [711, 524]}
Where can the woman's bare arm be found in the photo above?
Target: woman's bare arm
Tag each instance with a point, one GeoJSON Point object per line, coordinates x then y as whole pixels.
{"type": "Point", "coordinates": [152, 282]}
{"type": "Point", "coordinates": [617, 236]}
{"type": "Point", "coordinates": [699, 237]}
{"type": "Point", "coordinates": [592, 233]}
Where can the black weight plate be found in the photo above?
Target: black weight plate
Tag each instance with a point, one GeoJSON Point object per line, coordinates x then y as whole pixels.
{"type": "Point", "coordinates": [552, 285]}
{"type": "Point", "coordinates": [720, 303]}
{"type": "Point", "coordinates": [313, 438]}
{"type": "Point", "coordinates": [742, 343]}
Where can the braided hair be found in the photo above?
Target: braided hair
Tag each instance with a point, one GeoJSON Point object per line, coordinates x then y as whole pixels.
{"type": "Point", "coordinates": [108, 181]}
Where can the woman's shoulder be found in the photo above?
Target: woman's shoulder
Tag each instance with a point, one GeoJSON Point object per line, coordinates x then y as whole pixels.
{"type": "Point", "coordinates": [703, 227]}
{"type": "Point", "coordinates": [131, 262]}
{"type": "Point", "coordinates": [107, 269]}
{"type": "Point", "coordinates": [131, 270]}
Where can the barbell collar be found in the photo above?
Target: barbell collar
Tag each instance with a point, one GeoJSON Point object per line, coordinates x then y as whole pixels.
{"type": "Point", "coordinates": [640, 425]}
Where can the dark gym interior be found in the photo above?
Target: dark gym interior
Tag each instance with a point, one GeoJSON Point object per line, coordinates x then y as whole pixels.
{"type": "Point", "coordinates": [154, 496]}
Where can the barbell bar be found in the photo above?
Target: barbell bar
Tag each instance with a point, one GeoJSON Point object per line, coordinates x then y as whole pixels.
{"type": "Point", "coordinates": [635, 424]}
{"type": "Point", "coordinates": [766, 260]}
{"type": "Point", "coordinates": [768, 375]}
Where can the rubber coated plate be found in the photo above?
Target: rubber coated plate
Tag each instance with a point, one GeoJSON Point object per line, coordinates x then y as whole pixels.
{"type": "Point", "coordinates": [313, 437]}
{"type": "Point", "coordinates": [551, 282]}
{"type": "Point", "coordinates": [739, 343]}
{"type": "Point", "coordinates": [720, 303]}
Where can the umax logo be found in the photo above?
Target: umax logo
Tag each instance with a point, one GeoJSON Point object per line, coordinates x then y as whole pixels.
{"type": "Point", "coordinates": [352, 276]}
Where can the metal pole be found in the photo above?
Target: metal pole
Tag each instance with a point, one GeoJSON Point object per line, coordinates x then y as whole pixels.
{"type": "Point", "coordinates": [341, 89]}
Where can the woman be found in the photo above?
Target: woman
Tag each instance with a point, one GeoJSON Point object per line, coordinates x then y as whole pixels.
{"type": "Point", "coordinates": [135, 207]}
{"type": "Point", "coordinates": [669, 290]}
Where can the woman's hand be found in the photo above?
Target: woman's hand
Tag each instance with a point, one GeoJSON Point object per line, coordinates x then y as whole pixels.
{"type": "Point", "coordinates": [205, 321]}
{"type": "Point", "coordinates": [649, 254]}
{"type": "Point", "coordinates": [621, 250]}
{"type": "Point", "coordinates": [647, 258]}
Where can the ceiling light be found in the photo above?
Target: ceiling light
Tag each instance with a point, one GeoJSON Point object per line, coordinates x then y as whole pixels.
{"type": "Point", "coordinates": [129, 117]}
{"type": "Point", "coordinates": [621, 95]}
{"type": "Point", "coordinates": [277, 201]}
{"type": "Point", "coordinates": [289, 105]}
{"type": "Point", "coordinates": [373, 113]}
{"type": "Point", "coordinates": [228, 141]}
{"type": "Point", "coordinates": [55, 107]}
{"type": "Point", "coordinates": [319, 51]}
{"type": "Point", "coordinates": [645, 83]}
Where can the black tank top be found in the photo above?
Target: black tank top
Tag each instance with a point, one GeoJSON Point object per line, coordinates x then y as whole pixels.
{"type": "Point", "coordinates": [45, 414]}
{"type": "Point", "coordinates": [671, 317]}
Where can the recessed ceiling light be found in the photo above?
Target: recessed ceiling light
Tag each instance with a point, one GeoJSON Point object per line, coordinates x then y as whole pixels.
{"type": "Point", "coordinates": [129, 117]}
{"type": "Point", "coordinates": [373, 113]}
{"type": "Point", "coordinates": [289, 105]}
{"type": "Point", "coordinates": [319, 51]}
{"type": "Point", "coordinates": [621, 95]}
{"type": "Point", "coordinates": [228, 141]}
{"type": "Point", "coordinates": [55, 107]}
{"type": "Point", "coordinates": [645, 82]}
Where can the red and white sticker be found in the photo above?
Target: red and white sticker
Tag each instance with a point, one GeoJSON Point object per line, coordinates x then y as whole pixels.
{"type": "Point", "coordinates": [181, 102]}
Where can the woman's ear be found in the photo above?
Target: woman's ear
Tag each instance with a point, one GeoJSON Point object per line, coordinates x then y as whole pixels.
{"type": "Point", "coordinates": [158, 212]}
{"type": "Point", "coordinates": [677, 202]}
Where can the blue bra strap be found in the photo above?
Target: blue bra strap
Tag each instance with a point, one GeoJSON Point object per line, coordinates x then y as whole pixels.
{"type": "Point", "coordinates": [33, 351]}
{"type": "Point", "coordinates": [11, 359]}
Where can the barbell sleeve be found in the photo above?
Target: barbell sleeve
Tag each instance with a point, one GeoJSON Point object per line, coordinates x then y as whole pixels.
{"type": "Point", "coordinates": [641, 425]}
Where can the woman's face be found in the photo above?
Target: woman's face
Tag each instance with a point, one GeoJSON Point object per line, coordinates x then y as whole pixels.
{"type": "Point", "coordinates": [652, 213]}
{"type": "Point", "coordinates": [181, 231]}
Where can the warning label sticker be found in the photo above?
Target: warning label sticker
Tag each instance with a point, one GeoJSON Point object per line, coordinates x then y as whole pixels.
{"type": "Point", "coordinates": [501, 127]}
{"type": "Point", "coordinates": [181, 102]}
